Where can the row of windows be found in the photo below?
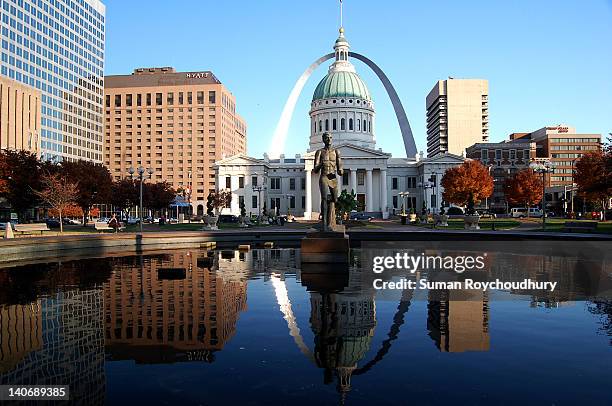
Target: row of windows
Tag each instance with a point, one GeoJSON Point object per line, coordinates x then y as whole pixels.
{"type": "Point", "coordinates": [575, 140]}
{"type": "Point", "coordinates": [275, 183]}
{"type": "Point", "coordinates": [367, 125]}
{"type": "Point", "coordinates": [484, 154]}
{"type": "Point", "coordinates": [128, 100]}
{"type": "Point", "coordinates": [574, 147]}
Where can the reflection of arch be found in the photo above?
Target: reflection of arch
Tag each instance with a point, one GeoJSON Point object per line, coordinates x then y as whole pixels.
{"type": "Point", "coordinates": [277, 145]}
{"type": "Point", "coordinates": [282, 298]}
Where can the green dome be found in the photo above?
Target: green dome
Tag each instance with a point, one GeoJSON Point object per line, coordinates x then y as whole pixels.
{"type": "Point", "coordinates": [341, 84]}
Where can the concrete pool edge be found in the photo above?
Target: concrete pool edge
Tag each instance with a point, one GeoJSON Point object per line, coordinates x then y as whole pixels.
{"type": "Point", "coordinates": [37, 249]}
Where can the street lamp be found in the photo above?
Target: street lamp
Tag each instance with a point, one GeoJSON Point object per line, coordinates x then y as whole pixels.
{"type": "Point", "coordinates": [289, 196]}
{"type": "Point", "coordinates": [425, 185]}
{"type": "Point", "coordinates": [543, 168]}
{"type": "Point", "coordinates": [404, 195]}
{"type": "Point", "coordinates": [141, 177]}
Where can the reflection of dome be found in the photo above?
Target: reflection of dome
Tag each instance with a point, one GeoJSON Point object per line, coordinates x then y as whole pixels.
{"type": "Point", "coordinates": [341, 84]}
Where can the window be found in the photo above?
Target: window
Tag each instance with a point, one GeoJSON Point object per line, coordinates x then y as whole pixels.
{"type": "Point", "coordinates": [512, 154]}
{"type": "Point", "coordinates": [254, 201]}
{"type": "Point", "coordinates": [228, 182]}
{"type": "Point", "coordinates": [394, 184]}
{"type": "Point", "coordinates": [254, 180]}
{"type": "Point", "coordinates": [107, 100]}
{"type": "Point", "coordinates": [484, 154]}
{"type": "Point", "coordinates": [342, 124]}
{"type": "Point", "coordinates": [291, 183]}
{"type": "Point", "coordinates": [292, 202]}
{"type": "Point", "coordinates": [360, 178]}
{"type": "Point", "coordinates": [180, 98]}
{"type": "Point", "coordinates": [158, 99]}
{"type": "Point", "coordinates": [275, 183]}
{"type": "Point", "coordinates": [364, 126]}
{"type": "Point", "coordinates": [170, 99]}
{"type": "Point", "coordinates": [334, 124]}
{"type": "Point", "coordinates": [148, 99]}
{"type": "Point", "coordinates": [326, 125]}
{"type": "Point", "coordinates": [303, 182]}
{"type": "Point", "coordinates": [200, 97]}
{"type": "Point", "coordinates": [395, 202]}
{"type": "Point", "coordinates": [345, 178]}
{"type": "Point", "coordinates": [128, 100]}
{"type": "Point", "coordinates": [412, 182]}
{"type": "Point", "coordinates": [118, 100]}
{"type": "Point", "coordinates": [320, 126]}
{"type": "Point", "coordinates": [241, 182]}
{"type": "Point", "coordinates": [139, 100]}
{"type": "Point", "coordinates": [498, 154]}
{"type": "Point", "coordinates": [303, 202]}
{"type": "Point", "coordinates": [212, 97]}
{"type": "Point", "coordinates": [189, 98]}
{"type": "Point", "coordinates": [350, 124]}
{"type": "Point", "coordinates": [358, 125]}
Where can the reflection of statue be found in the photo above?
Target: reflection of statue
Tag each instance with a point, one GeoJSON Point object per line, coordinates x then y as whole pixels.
{"type": "Point", "coordinates": [327, 161]}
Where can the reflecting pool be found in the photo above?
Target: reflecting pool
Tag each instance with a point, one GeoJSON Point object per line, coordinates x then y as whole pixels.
{"type": "Point", "coordinates": [228, 327]}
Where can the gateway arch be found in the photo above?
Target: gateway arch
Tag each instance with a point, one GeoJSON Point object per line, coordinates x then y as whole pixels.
{"type": "Point", "coordinates": [280, 134]}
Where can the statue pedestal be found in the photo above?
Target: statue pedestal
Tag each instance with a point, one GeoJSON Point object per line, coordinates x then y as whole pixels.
{"type": "Point", "coordinates": [325, 247]}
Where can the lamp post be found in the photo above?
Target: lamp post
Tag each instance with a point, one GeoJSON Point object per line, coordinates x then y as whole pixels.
{"type": "Point", "coordinates": [141, 177]}
{"type": "Point", "coordinates": [543, 168]}
{"type": "Point", "coordinates": [425, 185]}
{"type": "Point", "coordinates": [404, 195]}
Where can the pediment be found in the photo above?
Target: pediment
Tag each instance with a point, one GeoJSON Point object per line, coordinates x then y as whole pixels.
{"type": "Point", "coordinates": [240, 159]}
{"type": "Point", "coordinates": [444, 158]}
{"type": "Point", "coordinates": [354, 151]}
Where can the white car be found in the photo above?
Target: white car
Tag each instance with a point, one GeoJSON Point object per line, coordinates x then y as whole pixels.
{"type": "Point", "coordinates": [133, 220]}
{"type": "Point", "coordinates": [521, 212]}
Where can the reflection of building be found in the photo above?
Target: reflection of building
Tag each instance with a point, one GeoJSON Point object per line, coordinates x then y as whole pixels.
{"type": "Point", "coordinates": [177, 123]}
{"type": "Point", "coordinates": [65, 64]}
{"type": "Point", "coordinates": [70, 345]}
{"type": "Point", "coordinates": [20, 333]}
{"type": "Point", "coordinates": [170, 320]}
{"type": "Point", "coordinates": [19, 116]}
{"type": "Point", "coordinates": [343, 324]}
{"type": "Point", "coordinates": [457, 115]}
{"type": "Point", "coordinates": [459, 321]}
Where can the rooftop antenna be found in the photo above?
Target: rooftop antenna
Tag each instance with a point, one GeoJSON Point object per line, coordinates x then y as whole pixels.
{"type": "Point", "coordinates": [341, 14]}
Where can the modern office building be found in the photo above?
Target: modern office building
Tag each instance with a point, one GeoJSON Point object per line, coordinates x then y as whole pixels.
{"type": "Point", "coordinates": [19, 116]}
{"type": "Point", "coordinates": [503, 159]}
{"type": "Point", "coordinates": [457, 115]}
{"type": "Point", "coordinates": [57, 47]}
{"type": "Point", "coordinates": [563, 146]}
{"type": "Point", "coordinates": [176, 123]}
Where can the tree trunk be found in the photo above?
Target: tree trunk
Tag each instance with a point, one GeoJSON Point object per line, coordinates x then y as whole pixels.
{"type": "Point", "coordinates": [61, 222]}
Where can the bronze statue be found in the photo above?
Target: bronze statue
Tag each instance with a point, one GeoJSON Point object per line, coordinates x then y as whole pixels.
{"type": "Point", "coordinates": [328, 162]}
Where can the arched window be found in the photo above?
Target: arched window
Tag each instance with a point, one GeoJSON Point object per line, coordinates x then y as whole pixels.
{"type": "Point", "coordinates": [369, 126]}
{"type": "Point", "coordinates": [326, 124]}
{"type": "Point", "coordinates": [342, 124]}
{"type": "Point", "coordinates": [358, 125]}
{"type": "Point", "coordinates": [320, 126]}
{"type": "Point", "coordinates": [334, 124]}
{"type": "Point", "coordinates": [365, 128]}
{"type": "Point", "coordinates": [350, 124]}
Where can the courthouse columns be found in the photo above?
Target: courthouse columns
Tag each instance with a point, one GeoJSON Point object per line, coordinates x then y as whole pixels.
{"type": "Point", "coordinates": [353, 182]}
{"type": "Point", "coordinates": [308, 209]}
{"type": "Point", "coordinates": [383, 193]}
{"type": "Point", "coordinates": [369, 193]}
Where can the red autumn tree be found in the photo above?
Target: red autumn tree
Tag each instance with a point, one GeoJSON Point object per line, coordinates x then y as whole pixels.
{"type": "Point", "coordinates": [467, 184]}
{"type": "Point", "coordinates": [94, 183]}
{"type": "Point", "coordinates": [523, 189]}
{"type": "Point", "coordinates": [158, 196]}
{"type": "Point", "coordinates": [57, 192]}
{"type": "Point", "coordinates": [19, 177]}
{"type": "Point", "coordinates": [593, 177]}
{"type": "Point", "coordinates": [71, 211]}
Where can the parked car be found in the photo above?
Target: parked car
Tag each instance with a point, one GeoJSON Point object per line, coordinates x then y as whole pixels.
{"type": "Point", "coordinates": [487, 214]}
{"type": "Point", "coordinates": [522, 212]}
{"type": "Point", "coordinates": [361, 216]}
{"type": "Point", "coordinates": [454, 211]}
{"type": "Point", "coordinates": [133, 220]}
{"type": "Point", "coordinates": [53, 223]}
{"type": "Point", "coordinates": [228, 218]}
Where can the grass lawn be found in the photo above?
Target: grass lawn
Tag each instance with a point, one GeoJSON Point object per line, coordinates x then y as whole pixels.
{"type": "Point", "coordinates": [485, 224]}
{"type": "Point", "coordinates": [556, 225]}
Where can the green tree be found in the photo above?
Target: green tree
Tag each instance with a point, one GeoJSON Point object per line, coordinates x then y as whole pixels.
{"type": "Point", "coordinates": [346, 203]}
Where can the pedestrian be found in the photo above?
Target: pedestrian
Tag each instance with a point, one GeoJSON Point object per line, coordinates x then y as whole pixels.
{"type": "Point", "coordinates": [113, 222]}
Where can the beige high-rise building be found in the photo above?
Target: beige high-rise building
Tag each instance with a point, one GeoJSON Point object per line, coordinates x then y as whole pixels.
{"type": "Point", "coordinates": [19, 116]}
{"type": "Point", "coordinates": [176, 123]}
{"type": "Point", "coordinates": [457, 115]}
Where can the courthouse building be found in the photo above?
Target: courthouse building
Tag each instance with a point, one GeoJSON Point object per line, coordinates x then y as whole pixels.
{"type": "Point", "coordinates": [342, 105]}
{"type": "Point", "coordinates": [176, 123]}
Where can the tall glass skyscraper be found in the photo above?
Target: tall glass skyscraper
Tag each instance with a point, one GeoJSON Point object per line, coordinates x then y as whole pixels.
{"type": "Point", "coordinates": [57, 46]}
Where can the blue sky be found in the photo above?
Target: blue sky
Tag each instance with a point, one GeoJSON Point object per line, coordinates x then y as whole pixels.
{"type": "Point", "coordinates": [547, 62]}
